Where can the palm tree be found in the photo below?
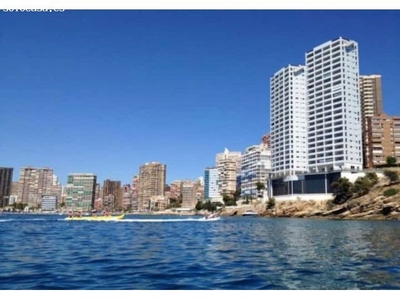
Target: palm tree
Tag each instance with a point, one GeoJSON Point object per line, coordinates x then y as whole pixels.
{"type": "Point", "coordinates": [260, 186]}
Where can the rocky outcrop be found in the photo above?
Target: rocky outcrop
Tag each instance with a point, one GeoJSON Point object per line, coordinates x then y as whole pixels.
{"type": "Point", "coordinates": [373, 206]}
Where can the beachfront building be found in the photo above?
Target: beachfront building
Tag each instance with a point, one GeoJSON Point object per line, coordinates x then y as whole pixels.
{"type": "Point", "coordinates": [152, 178]}
{"type": "Point", "coordinates": [49, 203]}
{"type": "Point", "coordinates": [80, 191]}
{"type": "Point", "coordinates": [135, 192]}
{"type": "Point", "coordinates": [6, 175]}
{"type": "Point", "coordinates": [189, 191]}
{"type": "Point", "coordinates": [112, 194]}
{"type": "Point", "coordinates": [371, 105]}
{"type": "Point", "coordinates": [211, 191]}
{"type": "Point", "coordinates": [288, 122]}
{"type": "Point", "coordinates": [334, 108]}
{"type": "Point", "coordinates": [34, 183]}
{"type": "Point", "coordinates": [383, 133]}
{"type": "Point", "coordinates": [331, 120]}
{"type": "Point", "coordinates": [127, 197]}
{"type": "Point", "coordinates": [256, 167]}
{"type": "Point", "coordinates": [229, 166]}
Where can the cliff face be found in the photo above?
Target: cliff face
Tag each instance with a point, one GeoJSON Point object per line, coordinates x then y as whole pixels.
{"type": "Point", "coordinates": [373, 206]}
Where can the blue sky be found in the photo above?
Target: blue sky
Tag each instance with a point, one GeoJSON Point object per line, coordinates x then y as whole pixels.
{"type": "Point", "coordinates": [105, 91]}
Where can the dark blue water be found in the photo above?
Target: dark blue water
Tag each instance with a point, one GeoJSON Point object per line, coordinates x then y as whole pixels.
{"type": "Point", "coordinates": [234, 253]}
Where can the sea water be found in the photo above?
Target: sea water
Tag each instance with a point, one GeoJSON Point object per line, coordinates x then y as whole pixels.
{"type": "Point", "coordinates": [188, 253]}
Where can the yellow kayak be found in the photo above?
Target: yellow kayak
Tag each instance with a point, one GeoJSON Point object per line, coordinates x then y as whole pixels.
{"type": "Point", "coordinates": [96, 218]}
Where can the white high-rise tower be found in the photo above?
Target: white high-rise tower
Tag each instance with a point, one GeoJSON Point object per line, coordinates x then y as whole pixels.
{"type": "Point", "coordinates": [334, 109]}
{"type": "Point", "coordinates": [288, 121]}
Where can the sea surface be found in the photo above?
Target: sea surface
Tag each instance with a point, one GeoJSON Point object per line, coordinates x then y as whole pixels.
{"type": "Point", "coordinates": [44, 252]}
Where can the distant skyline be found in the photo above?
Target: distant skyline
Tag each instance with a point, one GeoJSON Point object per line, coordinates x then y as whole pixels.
{"type": "Point", "coordinates": [104, 92]}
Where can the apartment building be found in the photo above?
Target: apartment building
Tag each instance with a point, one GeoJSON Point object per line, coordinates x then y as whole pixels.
{"type": "Point", "coordinates": [6, 175]}
{"type": "Point", "coordinates": [112, 194]}
{"type": "Point", "coordinates": [383, 135]}
{"type": "Point", "coordinates": [288, 121]}
{"type": "Point", "coordinates": [229, 166]}
{"type": "Point", "coordinates": [189, 192]}
{"type": "Point", "coordinates": [34, 183]}
{"type": "Point", "coordinates": [80, 191]}
{"type": "Point", "coordinates": [334, 108]}
{"type": "Point", "coordinates": [211, 190]}
{"type": "Point", "coordinates": [371, 105]}
{"type": "Point", "coordinates": [256, 167]}
{"type": "Point", "coordinates": [152, 177]}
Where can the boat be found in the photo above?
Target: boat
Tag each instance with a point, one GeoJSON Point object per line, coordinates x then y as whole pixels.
{"type": "Point", "coordinates": [212, 216]}
{"type": "Point", "coordinates": [96, 218]}
{"type": "Point", "coordinates": [250, 213]}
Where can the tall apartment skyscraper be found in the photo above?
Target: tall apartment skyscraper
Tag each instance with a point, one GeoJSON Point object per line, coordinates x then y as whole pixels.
{"type": "Point", "coordinates": [371, 105]}
{"type": "Point", "coordinates": [229, 165]}
{"type": "Point", "coordinates": [152, 178]}
{"type": "Point", "coordinates": [112, 193]}
{"type": "Point", "coordinates": [6, 175]}
{"type": "Point", "coordinates": [256, 166]}
{"type": "Point", "coordinates": [34, 183]}
{"type": "Point", "coordinates": [80, 191]}
{"type": "Point", "coordinates": [288, 121]}
{"type": "Point", "coordinates": [371, 95]}
{"type": "Point", "coordinates": [334, 108]}
{"type": "Point", "coordinates": [211, 184]}
{"type": "Point", "coordinates": [189, 191]}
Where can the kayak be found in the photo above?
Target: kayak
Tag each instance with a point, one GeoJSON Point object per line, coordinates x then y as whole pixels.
{"type": "Point", "coordinates": [96, 218]}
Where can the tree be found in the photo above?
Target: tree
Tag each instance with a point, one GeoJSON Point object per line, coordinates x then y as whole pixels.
{"type": "Point", "coordinates": [199, 205]}
{"type": "Point", "coordinates": [210, 206]}
{"type": "Point", "coordinates": [271, 203]}
{"type": "Point", "coordinates": [342, 190]}
{"type": "Point", "coordinates": [362, 186]}
{"type": "Point", "coordinates": [174, 202]}
{"type": "Point", "coordinates": [372, 177]}
{"type": "Point", "coordinates": [236, 194]}
{"type": "Point", "coordinates": [260, 186]}
{"type": "Point", "coordinates": [228, 200]}
{"type": "Point", "coordinates": [391, 161]}
{"type": "Point", "coordinates": [393, 176]}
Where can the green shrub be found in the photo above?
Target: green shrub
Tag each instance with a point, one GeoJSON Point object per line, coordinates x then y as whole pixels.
{"type": "Point", "coordinates": [373, 177]}
{"type": "Point", "coordinates": [390, 192]}
{"type": "Point", "coordinates": [330, 204]}
{"type": "Point", "coordinates": [393, 176]}
{"type": "Point", "coordinates": [342, 190]}
{"type": "Point", "coordinates": [271, 203]}
{"type": "Point", "coordinates": [361, 186]}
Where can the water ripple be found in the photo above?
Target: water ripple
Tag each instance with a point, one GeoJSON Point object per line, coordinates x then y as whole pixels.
{"type": "Point", "coordinates": [172, 253]}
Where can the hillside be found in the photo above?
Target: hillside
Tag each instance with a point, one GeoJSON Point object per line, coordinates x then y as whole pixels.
{"type": "Point", "coordinates": [373, 206]}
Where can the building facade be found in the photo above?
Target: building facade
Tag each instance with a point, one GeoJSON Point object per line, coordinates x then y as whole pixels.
{"type": "Point", "coordinates": [80, 191]}
{"type": "Point", "coordinates": [229, 166]}
{"type": "Point", "coordinates": [266, 140]}
{"type": "Point", "coordinates": [334, 108]}
{"type": "Point", "coordinates": [34, 183]}
{"type": "Point", "coordinates": [189, 191]}
{"type": "Point", "coordinates": [371, 105]}
{"type": "Point", "coordinates": [211, 190]}
{"type": "Point", "coordinates": [49, 203]}
{"type": "Point", "coordinates": [256, 167]}
{"type": "Point", "coordinates": [6, 175]}
{"type": "Point", "coordinates": [383, 134]}
{"type": "Point", "coordinates": [127, 197]}
{"type": "Point", "coordinates": [112, 194]}
{"type": "Point", "coordinates": [288, 121]}
{"type": "Point", "coordinates": [152, 177]}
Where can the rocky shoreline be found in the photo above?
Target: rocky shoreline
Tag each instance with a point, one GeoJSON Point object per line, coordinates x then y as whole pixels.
{"type": "Point", "coordinates": [373, 206]}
